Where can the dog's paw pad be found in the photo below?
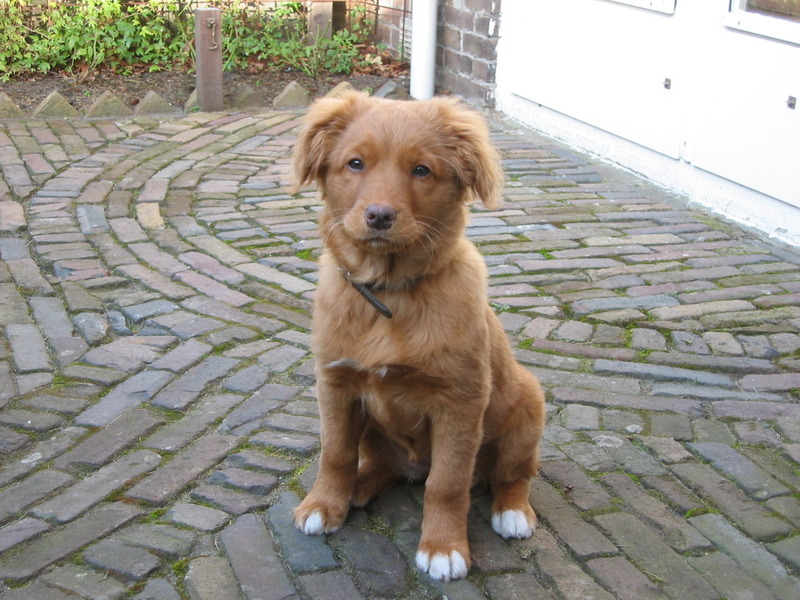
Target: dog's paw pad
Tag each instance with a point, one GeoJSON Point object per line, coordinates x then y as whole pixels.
{"type": "Point", "coordinates": [442, 567]}
{"type": "Point", "coordinates": [512, 524]}
{"type": "Point", "coordinates": [314, 524]}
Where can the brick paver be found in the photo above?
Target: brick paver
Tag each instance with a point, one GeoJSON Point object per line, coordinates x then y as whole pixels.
{"type": "Point", "coordinates": [158, 422]}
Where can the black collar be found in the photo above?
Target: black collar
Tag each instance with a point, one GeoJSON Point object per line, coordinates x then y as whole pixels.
{"type": "Point", "coordinates": [365, 289]}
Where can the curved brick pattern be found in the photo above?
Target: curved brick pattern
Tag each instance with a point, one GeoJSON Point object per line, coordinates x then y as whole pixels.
{"type": "Point", "coordinates": [157, 414]}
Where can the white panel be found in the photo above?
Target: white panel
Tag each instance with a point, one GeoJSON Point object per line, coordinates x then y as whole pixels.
{"type": "Point", "coordinates": [601, 62]}
{"type": "Point", "coordinates": [741, 126]}
{"type": "Point", "coordinates": [604, 63]}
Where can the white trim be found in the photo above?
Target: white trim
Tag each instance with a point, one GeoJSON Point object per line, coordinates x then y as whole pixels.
{"type": "Point", "coordinates": [736, 202]}
{"type": "Point", "coordinates": [776, 28]}
{"type": "Point", "coordinates": [663, 6]}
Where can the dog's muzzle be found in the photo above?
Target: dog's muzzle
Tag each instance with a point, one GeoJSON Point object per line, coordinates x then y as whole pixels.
{"type": "Point", "coordinates": [379, 216]}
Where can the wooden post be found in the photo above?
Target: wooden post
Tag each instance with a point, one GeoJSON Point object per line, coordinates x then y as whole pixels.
{"type": "Point", "coordinates": [208, 50]}
{"type": "Point", "coordinates": [320, 17]}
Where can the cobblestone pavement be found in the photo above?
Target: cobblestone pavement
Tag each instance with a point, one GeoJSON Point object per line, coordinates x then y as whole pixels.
{"type": "Point", "coordinates": [157, 413]}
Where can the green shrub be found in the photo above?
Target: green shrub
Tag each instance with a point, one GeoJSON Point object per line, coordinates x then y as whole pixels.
{"type": "Point", "coordinates": [122, 36]}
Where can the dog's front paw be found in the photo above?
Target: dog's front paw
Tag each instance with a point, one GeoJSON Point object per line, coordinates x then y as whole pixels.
{"type": "Point", "coordinates": [442, 567]}
{"type": "Point", "coordinates": [514, 524]}
{"type": "Point", "coordinates": [314, 519]}
{"type": "Point", "coordinates": [314, 524]}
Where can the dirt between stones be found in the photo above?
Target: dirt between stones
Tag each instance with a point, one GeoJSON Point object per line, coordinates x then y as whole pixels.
{"type": "Point", "coordinates": [174, 87]}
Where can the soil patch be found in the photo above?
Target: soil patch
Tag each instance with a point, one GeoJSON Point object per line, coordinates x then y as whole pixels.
{"type": "Point", "coordinates": [175, 87]}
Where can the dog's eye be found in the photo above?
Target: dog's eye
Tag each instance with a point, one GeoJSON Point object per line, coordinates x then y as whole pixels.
{"type": "Point", "coordinates": [356, 164]}
{"type": "Point", "coordinates": [421, 171]}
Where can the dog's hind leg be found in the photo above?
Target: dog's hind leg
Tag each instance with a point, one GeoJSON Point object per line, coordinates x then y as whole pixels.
{"type": "Point", "coordinates": [379, 466]}
{"type": "Point", "coordinates": [516, 454]}
{"type": "Point", "coordinates": [512, 515]}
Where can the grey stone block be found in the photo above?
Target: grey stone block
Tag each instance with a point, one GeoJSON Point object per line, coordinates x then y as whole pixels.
{"type": "Point", "coordinates": [248, 545]}
{"type": "Point", "coordinates": [749, 555]}
{"type": "Point", "coordinates": [303, 553]}
{"type": "Point", "coordinates": [84, 582]}
{"type": "Point", "coordinates": [211, 578]}
{"type": "Point", "coordinates": [60, 543]}
{"type": "Point", "coordinates": [292, 95]}
{"type": "Point", "coordinates": [108, 105]}
{"type": "Point", "coordinates": [93, 489]}
{"type": "Point", "coordinates": [197, 516]}
{"type": "Point", "coordinates": [55, 106]}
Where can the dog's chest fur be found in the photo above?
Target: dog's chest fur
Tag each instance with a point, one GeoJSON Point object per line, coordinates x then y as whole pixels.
{"type": "Point", "coordinates": [400, 368]}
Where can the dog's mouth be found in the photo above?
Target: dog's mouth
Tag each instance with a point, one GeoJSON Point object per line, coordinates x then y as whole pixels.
{"type": "Point", "coordinates": [379, 240]}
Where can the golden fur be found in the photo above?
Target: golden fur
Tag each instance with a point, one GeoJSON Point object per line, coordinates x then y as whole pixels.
{"type": "Point", "coordinates": [433, 391]}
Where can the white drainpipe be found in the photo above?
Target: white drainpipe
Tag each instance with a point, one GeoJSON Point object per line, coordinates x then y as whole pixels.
{"type": "Point", "coordinates": [423, 49]}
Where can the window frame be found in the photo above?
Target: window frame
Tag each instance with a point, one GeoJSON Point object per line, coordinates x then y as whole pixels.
{"type": "Point", "coordinates": [777, 28]}
{"type": "Point", "coordinates": [662, 6]}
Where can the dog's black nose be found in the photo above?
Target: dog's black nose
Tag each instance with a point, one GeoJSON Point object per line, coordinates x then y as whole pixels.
{"type": "Point", "coordinates": [379, 216]}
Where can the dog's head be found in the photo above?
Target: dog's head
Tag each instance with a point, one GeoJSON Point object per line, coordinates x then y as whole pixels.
{"type": "Point", "coordinates": [396, 174]}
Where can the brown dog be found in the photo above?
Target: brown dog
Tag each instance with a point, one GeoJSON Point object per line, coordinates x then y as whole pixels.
{"type": "Point", "coordinates": [415, 376]}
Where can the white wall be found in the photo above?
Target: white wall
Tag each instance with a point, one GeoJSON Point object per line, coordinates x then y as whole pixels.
{"type": "Point", "coordinates": [593, 72]}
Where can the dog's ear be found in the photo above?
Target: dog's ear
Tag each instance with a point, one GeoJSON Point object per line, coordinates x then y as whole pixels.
{"type": "Point", "coordinates": [323, 124]}
{"type": "Point", "coordinates": [477, 162]}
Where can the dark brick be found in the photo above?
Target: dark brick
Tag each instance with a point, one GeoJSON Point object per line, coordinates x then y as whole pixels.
{"type": "Point", "coordinates": [252, 459]}
{"type": "Point", "coordinates": [125, 561]}
{"type": "Point", "coordinates": [582, 491]}
{"type": "Point", "coordinates": [85, 582]}
{"type": "Point", "coordinates": [567, 523]}
{"type": "Point", "coordinates": [94, 488]}
{"type": "Point", "coordinates": [624, 580]}
{"type": "Point", "coordinates": [36, 421]}
{"type": "Point", "coordinates": [750, 516]}
{"type": "Point", "coordinates": [516, 586]}
{"type": "Point", "coordinates": [250, 548]}
{"type": "Point", "coordinates": [183, 468]}
{"type": "Point", "coordinates": [176, 435]}
{"type": "Point", "coordinates": [229, 500]}
{"type": "Point", "coordinates": [725, 574]}
{"type": "Point", "coordinates": [38, 590]}
{"type": "Point", "coordinates": [163, 539]}
{"type": "Point", "coordinates": [568, 395]}
{"type": "Point", "coordinates": [733, 364]}
{"type": "Point", "coordinates": [11, 441]}
{"type": "Point", "coordinates": [560, 570]}
{"type": "Point", "coordinates": [44, 451]}
{"type": "Point", "coordinates": [747, 475]}
{"type": "Point", "coordinates": [188, 387]}
{"type": "Point", "coordinates": [295, 442]}
{"type": "Point", "coordinates": [211, 578]}
{"type": "Point", "coordinates": [303, 553]}
{"type": "Point", "coordinates": [676, 532]}
{"type": "Point", "coordinates": [102, 446]}
{"type": "Point", "coordinates": [252, 482]}
{"type": "Point", "coordinates": [20, 495]}
{"type": "Point", "coordinates": [127, 395]}
{"type": "Point", "coordinates": [645, 547]}
{"type": "Point", "coordinates": [381, 569]}
{"type": "Point", "coordinates": [62, 542]}
{"type": "Point", "coordinates": [749, 555]}
{"type": "Point", "coordinates": [19, 531]}
{"type": "Point", "coordinates": [331, 585]}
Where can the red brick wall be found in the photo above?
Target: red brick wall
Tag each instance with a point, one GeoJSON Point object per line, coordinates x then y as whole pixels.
{"type": "Point", "coordinates": [466, 49]}
{"type": "Point", "coordinates": [467, 43]}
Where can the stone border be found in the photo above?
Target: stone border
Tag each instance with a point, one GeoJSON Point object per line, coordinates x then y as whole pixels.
{"type": "Point", "coordinates": [107, 105]}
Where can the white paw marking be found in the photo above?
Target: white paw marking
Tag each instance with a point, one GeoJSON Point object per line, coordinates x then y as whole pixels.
{"type": "Point", "coordinates": [442, 567]}
{"type": "Point", "coordinates": [314, 524]}
{"type": "Point", "coordinates": [512, 524]}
